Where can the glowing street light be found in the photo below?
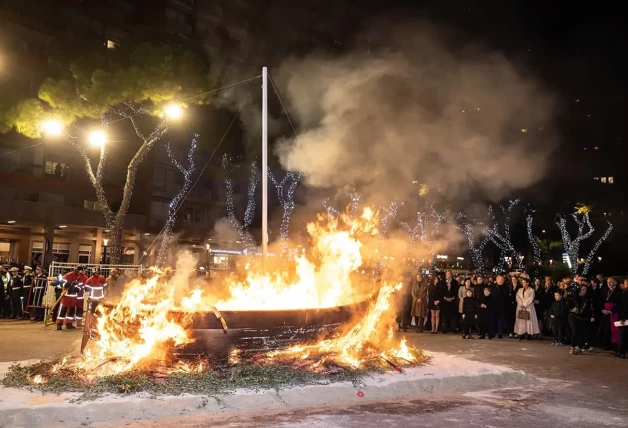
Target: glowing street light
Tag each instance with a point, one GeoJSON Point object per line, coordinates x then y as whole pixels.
{"type": "Point", "coordinates": [52, 127]}
{"type": "Point", "coordinates": [97, 138]}
{"type": "Point", "coordinates": [174, 111]}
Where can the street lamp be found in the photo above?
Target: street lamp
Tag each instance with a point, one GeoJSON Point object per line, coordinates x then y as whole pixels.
{"type": "Point", "coordinates": [174, 111]}
{"type": "Point", "coordinates": [104, 255]}
{"type": "Point", "coordinates": [52, 127]}
{"type": "Point", "coordinates": [97, 138]}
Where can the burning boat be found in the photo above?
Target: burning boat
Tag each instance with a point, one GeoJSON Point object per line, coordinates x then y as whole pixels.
{"type": "Point", "coordinates": [318, 308]}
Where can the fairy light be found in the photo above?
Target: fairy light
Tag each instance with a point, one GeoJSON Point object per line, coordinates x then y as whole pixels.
{"type": "Point", "coordinates": [115, 221]}
{"type": "Point", "coordinates": [387, 218]}
{"type": "Point", "coordinates": [249, 214]}
{"type": "Point", "coordinates": [572, 246]}
{"type": "Point", "coordinates": [285, 194]}
{"type": "Point", "coordinates": [425, 231]}
{"type": "Point", "coordinates": [587, 263]}
{"type": "Point", "coordinates": [468, 227]}
{"type": "Point", "coordinates": [536, 250]}
{"type": "Point", "coordinates": [178, 199]}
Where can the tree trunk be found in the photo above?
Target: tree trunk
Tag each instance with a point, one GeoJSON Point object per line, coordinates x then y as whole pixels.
{"type": "Point", "coordinates": [114, 249]}
{"type": "Point", "coordinates": [166, 238]}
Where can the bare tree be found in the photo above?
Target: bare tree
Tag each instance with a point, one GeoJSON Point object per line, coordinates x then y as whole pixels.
{"type": "Point", "coordinates": [242, 227]}
{"type": "Point", "coordinates": [572, 245]}
{"type": "Point", "coordinates": [115, 219]}
{"type": "Point", "coordinates": [173, 207]}
{"type": "Point", "coordinates": [426, 230]}
{"type": "Point", "coordinates": [477, 236]}
{"type": "Point", "coordinates": [285, 193]}
{"type": "Point", "coordinates": [503, 240]}
{"type": "Point", "coordinates": [536, 249]}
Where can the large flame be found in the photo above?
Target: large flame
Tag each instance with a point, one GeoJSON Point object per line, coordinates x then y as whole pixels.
{"type": "Point", "coordinates": [143, 325]}
{"type": "Point", "coordinates": [321, 283]}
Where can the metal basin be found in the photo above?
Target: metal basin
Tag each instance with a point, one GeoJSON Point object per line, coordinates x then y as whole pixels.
{"type": "Point", "coordinates": [265, 330]}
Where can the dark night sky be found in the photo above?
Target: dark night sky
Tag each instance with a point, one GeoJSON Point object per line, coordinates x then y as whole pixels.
{"type": "Point", "coordinates": [577, 48]}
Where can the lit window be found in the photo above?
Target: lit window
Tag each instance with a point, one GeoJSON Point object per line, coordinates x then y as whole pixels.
{"type": "Point", "coordinates": [596, 178]}
{"type": "Point", "coordinates": [611, 180]}
{"type": "Point", "coordinates": [111, 44]}
{"type": "Point", "coordinates": [603, 180]}
{"type": "Point", "coordinates": [524, 130]}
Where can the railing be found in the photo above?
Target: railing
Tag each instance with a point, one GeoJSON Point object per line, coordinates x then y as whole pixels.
{"type": "Point", "coordinates": [60, 268]}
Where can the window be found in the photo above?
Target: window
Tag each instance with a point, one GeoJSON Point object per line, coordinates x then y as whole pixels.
{"type": "Point", "coordinates": [56, 169]}
{"type": "Point", "coordinates": [51, 198]}
{"type": "Point", "coordinates": [111, 44]}
{"type": "Point", "coordinates": [91, 205]}
{"type": "Point", "coordinates": [603, 179]}
{"type": "Point", "coordinates": [60, 252]}
{"type": "Point", "coordinates": [596, 178]}
{"type": "Point", "coordinates": [524, 130]}
{"type": "Point", "coordinates": [611, 180]}
{"type": "Point", "coordinates": [84, 254]}
{"type": "Point", "coordinates": [159, 179]}
{"type": "Point", "coordinates": [158, 213]}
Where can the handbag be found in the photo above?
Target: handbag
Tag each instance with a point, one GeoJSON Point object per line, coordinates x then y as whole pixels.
{"type": "Point", "coordinates": [523, 314]}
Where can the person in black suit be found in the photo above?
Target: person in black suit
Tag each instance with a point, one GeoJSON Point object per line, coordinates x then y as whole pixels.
{"type": "Point", "coordinates": [622, 347]}
{"type": "Point", "coordinates": [449, 308]}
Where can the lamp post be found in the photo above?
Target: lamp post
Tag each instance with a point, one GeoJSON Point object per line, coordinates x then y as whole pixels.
{"type": "Point", "coordinates": [104, 254]}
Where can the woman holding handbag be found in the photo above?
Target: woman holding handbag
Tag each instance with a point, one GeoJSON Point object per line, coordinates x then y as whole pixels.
{"type": "Point", "coordinates": [526, 322]}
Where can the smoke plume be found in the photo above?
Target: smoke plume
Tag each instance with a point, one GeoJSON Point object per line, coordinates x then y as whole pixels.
{"type": "Point", "coordinates": [416, 111]}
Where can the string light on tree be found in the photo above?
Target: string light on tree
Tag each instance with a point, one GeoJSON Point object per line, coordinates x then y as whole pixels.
{"type": "Point", "coordinates": [242, 228]}
{"type": "Point", "coordinates": [536, 249]}
{"type": "Point", "coordinates": [425, 231]}
{"type": "Point", "coordinates": [469, 227]}
{"type": "Point", "coordinates": [173, 207]}
{"type": "Point", "coordinates": [572, 246]}
{"type": "Point", "coordinates": [503, 241]}
{"type": "Point", "coordinates": [587, 263]}
{"type": "Point", "coordinates": [285, 194]}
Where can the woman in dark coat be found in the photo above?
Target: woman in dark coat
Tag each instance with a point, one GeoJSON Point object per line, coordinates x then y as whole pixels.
{"type": "Point", "coordinates": [435, 296]}
{"type": "Point", "coordinates": [404, 306]}
{"type": "Point", "coordinates": [419, 301]}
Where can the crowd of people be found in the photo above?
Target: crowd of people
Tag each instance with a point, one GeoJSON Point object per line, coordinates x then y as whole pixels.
{"type": "Point", "coordinates": [583, 313]}
{"type": "Point", "coordinates": [22, 292]}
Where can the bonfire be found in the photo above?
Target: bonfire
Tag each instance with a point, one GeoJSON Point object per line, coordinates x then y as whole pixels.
{"type": "Point", "coordinates": [151, 320]}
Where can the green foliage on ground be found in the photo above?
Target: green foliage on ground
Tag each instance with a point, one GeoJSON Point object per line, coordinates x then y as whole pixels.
{"type": "Point", "coordinates": [218, 379]}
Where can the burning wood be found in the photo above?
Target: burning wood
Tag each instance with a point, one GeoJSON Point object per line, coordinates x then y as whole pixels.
{"type": "Point", "coordinates": [153, 317]}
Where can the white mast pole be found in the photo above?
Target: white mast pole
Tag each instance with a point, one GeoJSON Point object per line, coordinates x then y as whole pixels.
{"type": "Point", "coordinates": [264, 167]}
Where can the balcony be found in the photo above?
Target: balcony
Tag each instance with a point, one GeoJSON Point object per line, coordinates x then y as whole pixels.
{"type": "Point", "coordinates": [35, 213]}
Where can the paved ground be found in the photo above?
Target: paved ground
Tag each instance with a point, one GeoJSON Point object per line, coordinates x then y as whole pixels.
{"type": "Point", "coordinates": [584, 390]}
{"type": "Point", "coordinates": [25, 340]}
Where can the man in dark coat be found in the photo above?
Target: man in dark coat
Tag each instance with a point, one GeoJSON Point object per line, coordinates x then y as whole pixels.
{"type": "Point", "coordinates": [502, 300]}
{"type": "Point", "coordinates": [487, 314]}
{"type": "Point", "coordinates": [622, 347]}
{"type": "Point", "coordinates": [449, 308]}
{"type": "Point", "coordinates": [15, 287]}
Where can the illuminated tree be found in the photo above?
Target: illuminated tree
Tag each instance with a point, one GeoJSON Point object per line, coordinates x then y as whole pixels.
{"type": "Point", "coordinates": [426, 230]}
{"type": "Point", "coordinates": [114, 88]}
{"type": "Point", "coordinates": [584, 231]}
{"type": "Point", "coordinates": [285, 193]}
{"type": "Point", "coordinates": [242, 227]}
{"type": "Point", "coordinates": [477, 235]}
{"type": "Point", "coordinates": [173, 207]}
{"type": "Point", "coordinates": [502, 239]}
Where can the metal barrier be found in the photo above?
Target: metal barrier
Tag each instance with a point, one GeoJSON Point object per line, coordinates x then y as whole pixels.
{"type": "Point", "coordinates": [50, 300]}
{"type": "Point", "coordinates": [58, 268]}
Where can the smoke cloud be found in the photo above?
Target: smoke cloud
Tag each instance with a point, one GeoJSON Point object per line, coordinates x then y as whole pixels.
{"type": "Point", "coordinates": [416, 111]}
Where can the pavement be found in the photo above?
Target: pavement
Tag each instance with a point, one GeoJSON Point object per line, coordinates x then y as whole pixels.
{"type": "Point", "coordinates": [584, 390]}
{"type": "Point", "coordinates": [28, 340]}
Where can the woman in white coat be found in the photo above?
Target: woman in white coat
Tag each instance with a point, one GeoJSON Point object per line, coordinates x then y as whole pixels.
{"type": "Point", "coordinates": [525, 301]}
